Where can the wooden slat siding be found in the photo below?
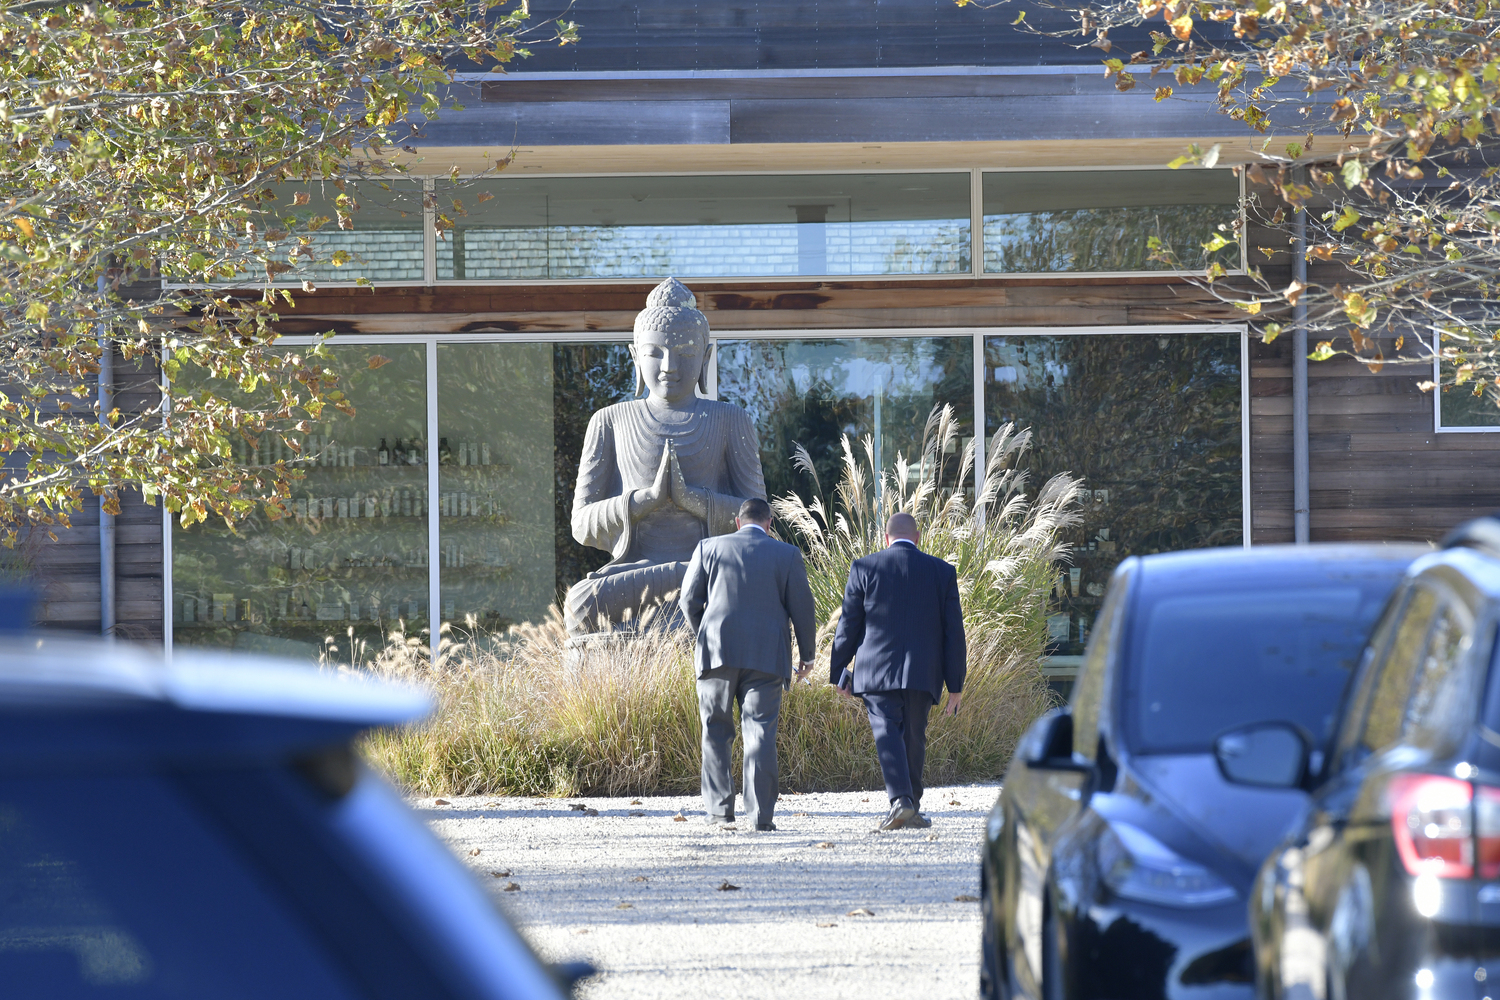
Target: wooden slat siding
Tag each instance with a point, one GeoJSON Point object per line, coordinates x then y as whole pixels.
{"type": "Point", "coordinates": [825, 88]}
{"type": "Point", "coordinates": [869, 305]}
{"type": "Point", "coordinates": [68, 569]}
{"type": "Point", "coordinates": [1106, 114]}
{"type": "Point", "coordinates": [1377, 469]}
{"type": "Point", "coordinates": [780, 34]}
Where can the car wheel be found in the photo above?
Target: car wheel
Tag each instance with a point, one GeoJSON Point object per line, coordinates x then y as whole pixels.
{"type": "Point", "coordinates": [992, 983]}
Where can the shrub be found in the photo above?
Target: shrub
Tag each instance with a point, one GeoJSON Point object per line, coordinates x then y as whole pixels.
{"type": "Point", "coordinates": [529, 716]}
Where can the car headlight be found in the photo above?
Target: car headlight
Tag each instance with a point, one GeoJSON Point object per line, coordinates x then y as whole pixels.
{"type": "Point", "coordinates": [1137, 866]}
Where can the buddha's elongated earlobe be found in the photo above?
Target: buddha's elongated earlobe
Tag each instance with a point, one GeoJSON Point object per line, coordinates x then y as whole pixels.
{"type": "Point", "coordinates": [708, 359]}
{"type": "Point", "coordinates": [640, 380]}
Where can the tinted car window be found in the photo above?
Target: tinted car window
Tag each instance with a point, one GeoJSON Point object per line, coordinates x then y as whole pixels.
{"type": "Point", "coordinates": [1443, 699]}
{"type": "Point", "coordinates": [1202, 663]}
{"type": "Point", "coordinates": [1395, 676]}
{"type": "Point", "coordinates": [115, 887]}
{"type": "Point", "coordinates": [1090, 688]}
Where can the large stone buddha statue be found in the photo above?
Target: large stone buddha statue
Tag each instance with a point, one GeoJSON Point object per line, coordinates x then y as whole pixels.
{"type": "Point", "coordinates": [658, 474]}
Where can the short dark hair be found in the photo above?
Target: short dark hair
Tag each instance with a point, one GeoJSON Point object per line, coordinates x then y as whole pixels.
{"type": "Point", "coordinates": [757, 510]}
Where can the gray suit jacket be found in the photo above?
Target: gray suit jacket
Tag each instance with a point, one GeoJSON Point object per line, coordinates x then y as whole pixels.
{"type": "Point", "coordinates": [739, 592]}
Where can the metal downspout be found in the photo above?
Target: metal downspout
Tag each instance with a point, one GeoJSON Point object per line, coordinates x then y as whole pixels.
{"type": "Point", "coordinates": [1301, 505]}
{"type": "Point", "coordinates": [106, 519]}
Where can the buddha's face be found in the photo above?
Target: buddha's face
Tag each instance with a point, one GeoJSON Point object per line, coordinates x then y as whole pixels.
{"type": "Point", "coordinates": [669, 363]}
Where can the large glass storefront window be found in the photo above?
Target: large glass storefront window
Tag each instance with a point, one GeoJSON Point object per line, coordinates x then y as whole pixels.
{"type": "Point", "coordinates": [1102, 220]}
{"type": "Point", "coordinates": [495, 560]}
{"type": "Point", "coordinates": [348, 564]}
{"type": "Point", "coordinates": [1151, 422]}
{"type": "Point", "coordinates": [1152, 425]}
{"type": "Point", "coordinates": [813, 392]}
{"type": "Point", "coordinates": [707, 226]}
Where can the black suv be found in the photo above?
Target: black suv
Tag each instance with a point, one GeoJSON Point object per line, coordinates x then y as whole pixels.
{"type": "Point", "coordinates": [1390, 886]}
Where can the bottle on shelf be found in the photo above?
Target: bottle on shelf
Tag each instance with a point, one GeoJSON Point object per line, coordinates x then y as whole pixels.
{"type": "Point", "coordinates": [445, 454]}
{"type": "Point", "coordinates": [384, 455]}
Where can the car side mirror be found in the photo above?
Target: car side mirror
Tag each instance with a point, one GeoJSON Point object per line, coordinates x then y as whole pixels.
{"type": "Point", "coordinates": [1049, 744]}
{"type": "Point", "coordinates": [1264, 755]}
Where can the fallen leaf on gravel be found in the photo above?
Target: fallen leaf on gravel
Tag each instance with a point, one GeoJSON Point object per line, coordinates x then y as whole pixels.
{"type": "Point", "coordinates": [679, 818]}
{"type": "Point", "coordinates": [635, 802]}
{"type": "Point", "coordinates": [801, 814]}
{"type": "Point", "coordinates": [441, 802]}
{"type": "Point", "coordinates": [504, 874]}
{"type": "Point", "coordinates": [825, 845]}
{"type": "Point", "coordinates": [636, 812]}
{"type": "Point", "coordinates": [726, 887]}
{"type": "Point", "coordinates": [625, 906]}
{"type": "Point", "coordinates": [512, 887]}
{"type": "Point", "coordinates": [491, 805]}
{"type": "Point", "coordinates": [828, 925]}
{"type": "Point", "coordinates": [966, 899]}
{"type": "Point", "coordinates": [640, 878]}
{"type": "Point", "coordinates": [861, 912]}
{"type": "Point", "coordinates": [577, 806]}
{"type": "Point", "coordinates": [474, 853]}
{"type": "Point", "coordinates": [864, 800]}
{"type": "Point", "coordinates": [955, 802]}
{"type": "Point", "coordinates": [932, 836]}
{"type": "Point", "coordinates": [581, 930]}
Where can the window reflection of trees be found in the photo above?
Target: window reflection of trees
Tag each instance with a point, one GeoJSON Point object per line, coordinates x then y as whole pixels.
{"type": "Point", "coordinates": [1151, 423]}
{"type": "Point", "coordinates": [1104, 239]}
{"type": "Point", "coordinates": [815, 391]}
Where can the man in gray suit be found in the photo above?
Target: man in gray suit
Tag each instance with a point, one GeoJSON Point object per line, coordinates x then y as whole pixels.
{"type": "Point", "coordinates": [738, 595]}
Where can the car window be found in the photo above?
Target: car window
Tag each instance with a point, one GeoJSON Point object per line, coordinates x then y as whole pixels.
{"type": "Point", "coordinates": [1444, 695]}
{"type": "Point", "coordinates": [1088, 693]}
{"type": "Point", "coordinates": [1203, 662]}
{"type": "Point", "coordinates": [114, 886]}
{"type": "Point", "coordinates": [1394, 677]}
{"type": "Point", "coordinates": [1357, 700]}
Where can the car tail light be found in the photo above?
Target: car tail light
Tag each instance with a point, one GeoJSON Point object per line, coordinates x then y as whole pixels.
{"type": "Point", "coordinates": [1432, 819]}
{"type": "Point", "coordinates": [1487, 830]}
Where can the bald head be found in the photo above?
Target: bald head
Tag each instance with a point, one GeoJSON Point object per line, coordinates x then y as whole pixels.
{"type": "Point", "coordinates": [902, 525]}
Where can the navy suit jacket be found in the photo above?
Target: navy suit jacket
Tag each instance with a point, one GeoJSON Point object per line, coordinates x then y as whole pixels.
{"type": "Point", "coordinates": [901, 627]}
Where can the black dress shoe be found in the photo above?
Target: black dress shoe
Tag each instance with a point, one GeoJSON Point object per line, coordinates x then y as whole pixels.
{"type": "Point", "coordinates": [900, 815]}
{"type": "Point", "coordinates": [918, 822]}
{"type": "Point", "coordinates": [765, 827]}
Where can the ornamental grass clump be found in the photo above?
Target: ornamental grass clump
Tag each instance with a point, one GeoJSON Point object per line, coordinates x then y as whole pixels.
{"type": "Point", "coordinates": [530, 716]}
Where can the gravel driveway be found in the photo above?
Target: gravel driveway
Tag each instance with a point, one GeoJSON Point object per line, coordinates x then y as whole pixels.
{"type": "Point", "coordinates": [824, 906]}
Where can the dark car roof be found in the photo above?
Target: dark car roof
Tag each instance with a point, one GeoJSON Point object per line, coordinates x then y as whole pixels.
{"type": "Point", "coordinates": [55, 693]}
{"type": "Point", "coordinates": [1198, 568]}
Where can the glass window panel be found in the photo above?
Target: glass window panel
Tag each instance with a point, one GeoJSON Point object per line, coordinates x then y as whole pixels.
{"type": "Point", "coordinates": [496, 557]}
{"type": "Point", "coordinates": [1460, 407]}
{"type": "Point", "coordinates": [383, 241]}
{"type": "Point", "coordinates": [352, 555]}
{"type": "Point", "coordinates": [1151, 424]}
{"type": "Point", "coordinates": [812, 392]}
{"type": "Point", "coordinates": [627, 227]}
{"type": "Point", "coordinates": [1101, 220]}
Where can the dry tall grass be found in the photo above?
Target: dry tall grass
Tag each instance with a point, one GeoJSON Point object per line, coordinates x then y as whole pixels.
{"type": "Point", "coordinates": [534, 718]}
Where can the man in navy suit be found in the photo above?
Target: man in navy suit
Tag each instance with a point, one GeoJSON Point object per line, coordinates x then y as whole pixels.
{"type": "Point", "coordinates": [900, 640]}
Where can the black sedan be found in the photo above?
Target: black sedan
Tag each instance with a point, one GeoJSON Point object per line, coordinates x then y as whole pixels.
{"type": "Point", "coordinates": [1118, 859]}
{"type": "Point", "coordinates": [1389, 887]}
